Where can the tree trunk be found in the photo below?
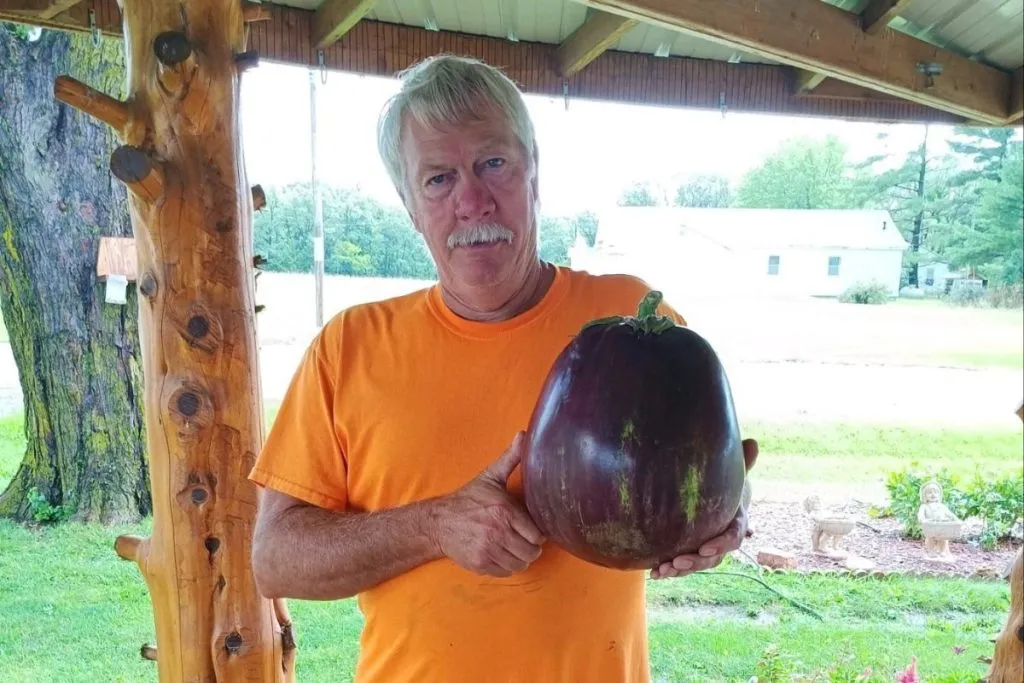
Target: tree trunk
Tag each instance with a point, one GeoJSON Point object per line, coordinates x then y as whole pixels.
{"type": "Point", "coordinates": [915, 236]}
{"type": "Point", "coordinates": [77, 356]}
{"type": "Point", "coordinates": [191, 211]}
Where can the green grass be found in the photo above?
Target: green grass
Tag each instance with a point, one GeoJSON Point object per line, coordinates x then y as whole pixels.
{"type": "Point", "coordinates": [72, 611]}
{"type": "Point", "coordinates": [12, 447]}
{"type": "Point", "coordinates": [880, 622]}
{"type": "Point", "coordinates": [995, 358]}
{"type": "Point", "coordinates": [811, 452]}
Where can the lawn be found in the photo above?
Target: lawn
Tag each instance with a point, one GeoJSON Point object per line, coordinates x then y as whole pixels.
{"type": "Point", "coordinates": [72, 611]}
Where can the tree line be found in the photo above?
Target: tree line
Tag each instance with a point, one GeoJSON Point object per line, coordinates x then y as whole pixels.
{"type": "Point", "coordinates": [963, 206]}
{"type": "Point", "coordinates": [367, 237]}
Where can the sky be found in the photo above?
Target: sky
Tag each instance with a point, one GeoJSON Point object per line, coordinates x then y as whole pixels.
{"type": "Point", "coordinates": [589, 151]}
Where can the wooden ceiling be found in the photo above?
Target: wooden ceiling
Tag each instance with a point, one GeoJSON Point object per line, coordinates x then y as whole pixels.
{"type": "Point", "coordinates": [893, 60]}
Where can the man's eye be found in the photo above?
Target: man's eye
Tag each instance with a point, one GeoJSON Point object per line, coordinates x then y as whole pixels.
{"type": "Point", "coordinates": [436, 180]}
{"type": "Point", "coordinates": [495, 163]}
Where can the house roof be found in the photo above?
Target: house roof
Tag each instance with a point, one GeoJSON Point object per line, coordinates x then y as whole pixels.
{"type": "Point", "coordinates": [739, 229]}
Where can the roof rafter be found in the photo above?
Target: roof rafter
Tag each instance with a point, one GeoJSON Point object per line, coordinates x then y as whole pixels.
{"type": "Point", "coordinates": [877, 15]}
{"type": "Point", "coordinates": [1017, 97]}
{"type": "Point", "coordinates": [806, 81]}
{"type": "Point", "coordinates": [816, 36]}
{"type": "Point", "coordinates": [596, 34]}
{"type": "Point", "coordinates": [334, 18]}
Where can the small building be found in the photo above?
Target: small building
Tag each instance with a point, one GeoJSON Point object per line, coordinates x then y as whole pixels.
{"type": "Point", "coordinates": [793, 252]}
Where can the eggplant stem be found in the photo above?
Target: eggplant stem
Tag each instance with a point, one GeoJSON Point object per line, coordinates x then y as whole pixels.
{"type": "Point", "coordinates": [649, 305]}
{"type": "Point", "coordinates": [801, 607]}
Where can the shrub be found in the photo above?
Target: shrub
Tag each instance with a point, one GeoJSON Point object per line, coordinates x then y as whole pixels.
{"type": "Point", "coordinates": [865, 293]}
{"type": "Point", "coordinates": [1006, 296]}
{"type": "Point", "coordinates": [998, 503]}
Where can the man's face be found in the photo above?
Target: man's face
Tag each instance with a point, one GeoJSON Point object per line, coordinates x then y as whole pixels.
{"type": "Point", "coordinates": [471, 193]}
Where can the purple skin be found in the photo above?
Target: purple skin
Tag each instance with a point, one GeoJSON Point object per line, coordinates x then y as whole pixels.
{"type": "Point", "coordinates": [633, 453]}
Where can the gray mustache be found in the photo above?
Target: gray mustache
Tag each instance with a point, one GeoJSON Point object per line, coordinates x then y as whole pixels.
{"type": "Point", "coordinates": [479, 234]}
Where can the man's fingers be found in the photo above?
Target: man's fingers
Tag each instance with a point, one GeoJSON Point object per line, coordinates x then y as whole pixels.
{"type": "Point", "coordinates": [506, 560]}
{"type": "Point", "coordinates": [521, 548]}
{"type": "Point", "coordinates": [500, 469]}
{"type": "Point", "coordinates": [523, 525]}
{"type": "Point", "coordinates": [750, 452]}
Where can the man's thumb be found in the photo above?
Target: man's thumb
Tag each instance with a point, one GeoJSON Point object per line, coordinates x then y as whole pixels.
{"type": "Point", "coordinates": [501, 468]}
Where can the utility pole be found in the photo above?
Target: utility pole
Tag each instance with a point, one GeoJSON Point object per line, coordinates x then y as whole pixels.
{"type": "Point", "coordinates": [318, 207]}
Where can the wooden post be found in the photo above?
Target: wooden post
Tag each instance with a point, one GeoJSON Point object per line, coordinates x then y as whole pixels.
{"type": "Point", "coordinates": [1008, 657]}
{"type": "Point", "coordinates": [191, 211]}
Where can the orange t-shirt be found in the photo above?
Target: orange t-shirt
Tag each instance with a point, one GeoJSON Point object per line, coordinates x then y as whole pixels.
{"type": "Point", "coordinates": [401, 400]}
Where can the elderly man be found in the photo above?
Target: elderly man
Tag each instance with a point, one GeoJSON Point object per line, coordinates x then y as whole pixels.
{"type": "Point", "coordinates": [391, 469]}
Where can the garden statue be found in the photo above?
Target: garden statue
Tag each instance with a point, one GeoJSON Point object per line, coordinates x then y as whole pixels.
{"type": "Point", "coordinates": [829, 529]}
{"type": "Point", "coordinates": [938, 524]}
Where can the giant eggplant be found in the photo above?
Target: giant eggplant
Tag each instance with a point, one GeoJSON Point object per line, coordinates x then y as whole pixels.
{"type": "Point", "coordinates": [633, 452]}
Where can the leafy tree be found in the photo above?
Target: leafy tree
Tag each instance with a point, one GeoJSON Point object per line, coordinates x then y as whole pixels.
{"type": "Point", "coordinates": [640, 194]}
{"type": "Point", "coordinates": [706, 191]}
{"type": "Point", "coordinates": [993, 242]}
{"type": "Point", "coordinates": [802, 174]}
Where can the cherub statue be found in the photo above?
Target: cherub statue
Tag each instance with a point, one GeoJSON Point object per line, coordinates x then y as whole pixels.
{"type": "Point", "coordinates": [938, 523]}
{"type": "Point", "coordinates": [828, 529]}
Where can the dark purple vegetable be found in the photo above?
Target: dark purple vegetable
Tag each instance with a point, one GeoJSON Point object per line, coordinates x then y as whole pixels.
{"type": "Point", "coordinates": [633, 452]}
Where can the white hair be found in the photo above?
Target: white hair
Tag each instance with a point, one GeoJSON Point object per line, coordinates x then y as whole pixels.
{"type": "Point", "coordinates": [448, 90]}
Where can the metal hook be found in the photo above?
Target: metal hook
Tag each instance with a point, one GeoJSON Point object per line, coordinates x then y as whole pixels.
{"type": "Point", "coordinates": [94, 30]}
{"type": "Point", "coordinates": [323, 66]}
{"type": "Point", "coordinates": [565, 93]}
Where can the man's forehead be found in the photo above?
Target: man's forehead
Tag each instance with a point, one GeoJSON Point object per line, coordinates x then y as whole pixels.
{"type": "Point", "coordinates": [422, 140]}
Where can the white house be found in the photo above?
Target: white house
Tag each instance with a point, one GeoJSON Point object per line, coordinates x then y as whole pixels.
{"type": "Point", "coordinates": [762, 251]}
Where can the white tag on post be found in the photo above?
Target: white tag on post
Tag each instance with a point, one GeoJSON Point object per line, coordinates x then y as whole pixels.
{"type": "Point", "coordinates": [117, 289]}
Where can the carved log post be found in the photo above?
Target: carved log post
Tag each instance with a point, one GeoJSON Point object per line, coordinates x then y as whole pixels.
{"type": "Point", "coordinates": [1008, 657]}
{"type": "Point", "coordinates": [191, 212]}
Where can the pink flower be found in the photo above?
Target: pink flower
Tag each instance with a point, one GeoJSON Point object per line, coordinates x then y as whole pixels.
{"type": "Point", "coordinates": [958, 649]}
{"type": "Point", "coordinates": [909, 675]}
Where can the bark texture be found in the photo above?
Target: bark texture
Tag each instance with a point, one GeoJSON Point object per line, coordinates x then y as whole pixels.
{"type": "Point", "coordinates": [1008, 655]}
{"type": "Point", "coordinates": [78, 357]}
{"type": "Point", "coordinates": [191, 212]}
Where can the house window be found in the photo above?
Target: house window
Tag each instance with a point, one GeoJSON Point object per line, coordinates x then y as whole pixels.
{"type": "Point", "coordinates": [773, 265]}
{"type": "Point", "coordinates": [833, 266]}
{"type": "Point", "coordinates": [929, 276]}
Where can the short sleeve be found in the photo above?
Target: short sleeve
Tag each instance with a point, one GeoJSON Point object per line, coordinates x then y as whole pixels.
{"type": "Point", "coordinates": [302, 456]}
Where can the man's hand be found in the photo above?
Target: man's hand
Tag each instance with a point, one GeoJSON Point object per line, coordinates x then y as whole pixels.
{"type": "Point", "coordinates": [714, 550]}
{"type": "Point", "coordinates": [484, 529]}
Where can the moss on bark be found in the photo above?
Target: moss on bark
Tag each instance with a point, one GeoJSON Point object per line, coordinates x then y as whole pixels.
{"type": "Point", "coordinates": [78, 357]}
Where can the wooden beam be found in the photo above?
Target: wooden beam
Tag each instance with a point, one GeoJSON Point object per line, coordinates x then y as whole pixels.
{"type": "Point", "coordinates": [816, 36]}
{"type": "Point", "coordinates": [383, 49]}
{"type": "Point", "coordinates": [57, 7]}
{"type": "Point", "coordinates": [334, 18]}
{"type": "Point", "coordinates": [831, 89]}
{"type": "Point", "coordinates": [1017, 97]}
{"type": "Point", "coordinates": [33, 6]}
{"type": "Point", "coordinates": [594, 36]}
{"type": "Point", "coordinates": [806, 81]}
{"type": "Point", "coordinates": [877, 15]}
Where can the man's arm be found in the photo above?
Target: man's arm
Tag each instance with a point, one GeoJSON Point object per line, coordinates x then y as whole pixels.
{"type": "Point", "coordinates": [306, 552]}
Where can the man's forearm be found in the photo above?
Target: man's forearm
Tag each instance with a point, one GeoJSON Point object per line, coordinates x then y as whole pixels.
{"type": "Point", "coordinates": [316, 554]}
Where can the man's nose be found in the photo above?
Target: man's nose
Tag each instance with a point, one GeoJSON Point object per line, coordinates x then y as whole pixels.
{"type": "Point", "coordinates": [473, 199]}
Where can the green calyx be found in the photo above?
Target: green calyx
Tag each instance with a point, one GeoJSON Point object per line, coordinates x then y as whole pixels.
{"type": "Point", "coordinates": [646, 319]}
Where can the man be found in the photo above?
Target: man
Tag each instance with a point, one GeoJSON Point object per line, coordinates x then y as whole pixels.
{"type": "Point", "coordinates": [390, 471]}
